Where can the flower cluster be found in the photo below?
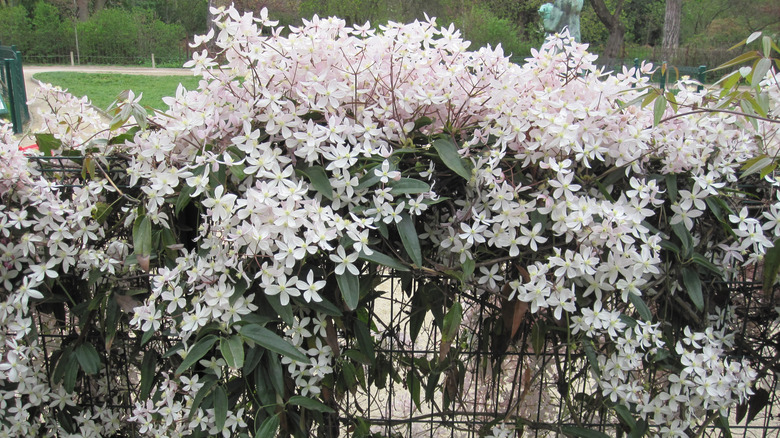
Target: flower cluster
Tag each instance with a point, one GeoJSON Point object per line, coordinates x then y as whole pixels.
{"type": "Point", "coordinates": [247, 229]}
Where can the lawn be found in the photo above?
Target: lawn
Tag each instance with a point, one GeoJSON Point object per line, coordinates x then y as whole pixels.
{"type": "Point", "coordinates": [103, 88]}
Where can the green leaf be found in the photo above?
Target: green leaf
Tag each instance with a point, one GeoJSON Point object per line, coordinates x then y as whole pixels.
{"type": "Point", "coordinates": [349, 284]}
{"type": "Point", "coordinates": [658, 110]}
{"type": "Point", "coordinates": [755, 164]}
{"type": "Point", "coordinates": [71, 373]}
{"type": "Point", "coordinates": [409, 186]}
{"type": "Point", "coordinates": [413, 385]}
{"type": "Point", "coordinates": [233, 351]}
{"type": "Point", "coordinates": [706, 264]}
{"type": "Point", "coordinates": [284, 311]}
{"type": "Point", "coordinates": [582, 432]}
{"type": "Point", "coordinates": [88, 358]}
{"type": "Point", "coordinates": [686, 239]}
{"type": "Point", "coordinates": [196, 353]}
{"type": "Point", "coordinates": [451, 323]}
{"type": "Point", "coordinates": [409, 239]}
{"type": "Point", "coordinates": [220, 407]}
{"type": "Point", "coordinates": [671, 186]}
{"type": "Point", "coordinates": [421, 122]}
{"type": "Point", "coordinates": [185, 196]}
{"type": "Point", "coordinates": [641, 307]}
{"type": "Point", "coordinates": [693, 286]}
{"type": "Point", "coordinates": [771, 267]}
{"type": "Point", "coordinates": [365, 341]}
{"type": "Point", "coordinates": [759, 72]}
{"type": "Point", "coordinates": [271, 341]}
{"type": "Point", "coordinates": [448, 152]}
{"type": "Point", "coordinates": [142, 235]}
{"type": "Point", "coordinates": [319, 180]}
{"type": "Point", "coordinates": [47, 143]}
{"type": "Point", "coordinates": [269, 428]}
{"type": "Point", "coordinates": [208, 384]}
{"type": "Point", "coordinates": [590, 353]}
{"type": "Point", "coordinates": [626, 416]}
{"type": "Point", "coordinates": [723, 424]}
{"type": "Point", "coordinates": [310, 404]}
{"type": "Point", "coordinates": [384, 260]}
{"type": "Point", "coordinates": [148, 373]}
{"type": "Point", "coordinates": [468, 268]}
{"type": "Point", "coordinates": [538, 337]}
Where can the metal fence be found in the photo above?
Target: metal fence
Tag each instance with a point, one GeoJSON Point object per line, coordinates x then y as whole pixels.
{"type": "Point", "coordinates": [12, 87]}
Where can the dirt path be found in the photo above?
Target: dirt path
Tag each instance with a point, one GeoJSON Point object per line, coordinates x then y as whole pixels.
{"type": "Point", "coordinates": [32, 85]}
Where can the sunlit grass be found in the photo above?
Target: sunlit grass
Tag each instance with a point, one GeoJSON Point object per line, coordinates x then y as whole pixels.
{"type": "Point", "coordinates": [103, 88]}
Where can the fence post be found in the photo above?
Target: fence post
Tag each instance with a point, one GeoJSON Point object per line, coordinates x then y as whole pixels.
{"type": "Point", "coordinates": [701, 77]}
{"type": "Point", "coordinates": [154, 65]}
{"type": "Point", "coordinates": [71, 59]}
{"type": "Point", "coordinates": [636, 70]}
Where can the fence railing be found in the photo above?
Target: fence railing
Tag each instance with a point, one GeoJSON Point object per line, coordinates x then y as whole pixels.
{"type": "Point", "coordinates": [14, 94]}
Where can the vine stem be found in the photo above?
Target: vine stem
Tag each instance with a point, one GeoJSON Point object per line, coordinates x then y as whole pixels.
{"type": "Point", "coordinates": [713, 110]}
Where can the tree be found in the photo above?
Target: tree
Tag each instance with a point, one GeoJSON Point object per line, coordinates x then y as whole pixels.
{"type": "Point", "coordinates": [617, 30]}
{"type": "Point", "coordinates": [672, 27]}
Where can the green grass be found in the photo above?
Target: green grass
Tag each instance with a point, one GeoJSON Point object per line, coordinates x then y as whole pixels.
{"type": "Point", "coordinates": [103, 88]}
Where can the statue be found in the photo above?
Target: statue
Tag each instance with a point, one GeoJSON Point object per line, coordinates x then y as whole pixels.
{"type": "Point", "coordinates": [562, 14]}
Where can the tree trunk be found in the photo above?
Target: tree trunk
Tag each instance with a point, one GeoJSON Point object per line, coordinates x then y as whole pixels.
{"type": "Point", "coordinates": [616, 28]}
{"type": "Point", "coordinates": [82, 10]}
{"type": "Point", "coordinates": [99, 4]}
{"type": "Point", "coordinates": [672, 28]}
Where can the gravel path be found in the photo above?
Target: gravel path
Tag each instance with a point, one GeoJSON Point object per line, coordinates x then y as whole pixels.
{"type": "Point", "coordinates": [31, 85]}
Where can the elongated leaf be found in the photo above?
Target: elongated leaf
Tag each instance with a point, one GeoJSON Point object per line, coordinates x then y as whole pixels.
{"type": "Point", "coordinates": [448, 152]}
{"type": "Point", "coordinates": [641, 307]}
{"type": "Point", "coordinates": [409, 186]}
{"type": "Point", "coordinates": [196, 353]}
{"type": "Point", "coordinates": [220, 407]}
{"type": "Point", "coordinates": [310, 404]}
{"type": "Point", "coordinates": [538, 337]}
{"type": "Point", "coordinates": [185, 196]}
{"type": "Point", "coordinates": [659, 107]}
{"type": "Point", "coordinates": [148, 373]}
{"type": "Point", "coordinates": [582, 432]}
{"type": "Point", "coordinates": [233, 351]}
{"type": "Point", "coordinates": [271, 341]}
{"type": "Point", "coordinates": [693, 286]}
{"type": "Point", "coordinates": [755, 165]}
{"type": "Point", "coordinates": [142, 236]}
{"type": "Point", "coordinates": [706, 264]}
{"type": "Point", "coordinates": [723, 424]}
{"type": "Point", "coordinates": [384, 260]}
{"type": "Point", "coordinates": [319, 180]}
{"type": "Point", "coordinates": [771, 267]}
{"type": "Point", "coordinates": [269, 428]}
{"type": "Point", "coordinates": [349, 284]}
{"type": "Point", "coordinates": [625, 416]}
{"type": "Point", "coordinates": [590, 353]}
{"type": "Point", "coordinates": [413, 384]}
{"type": "Point", "coordinates": [759, 72]}
{"type": "Point", "coordinates": [745, 57]}
{"type": "Point", "coordinates": [409, 239]}
{"type": "Point", "coordinates": [46, 143]}
{"type": "Point", "coordinates": [365, 341]}
{"type": "Point", "coordinates": [88, 358]}
{"type": "Point", "coordinates": [451, 323]}
{"type": "Point", "coordinates": [204, 390]}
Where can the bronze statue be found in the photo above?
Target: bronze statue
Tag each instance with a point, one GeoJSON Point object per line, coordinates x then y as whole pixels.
{"type": "Point", "coordinates": [563, 14]}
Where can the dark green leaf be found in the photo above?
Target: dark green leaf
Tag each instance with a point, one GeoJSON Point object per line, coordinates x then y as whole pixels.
{"type": "Point", "coordinates": [204, 390]}
{"type": "Point", "coordinates": [771, 267]}
{"type": "Point", "coordinates": [148, 373]}
{"type": "Point", "coordinates": [625, 416]}
{"type": "Point", "coordinates": [88, 358]}
{"type": "Point", "coordinates": [220, 407]}
{"type": "Point", "coordinates": [310, 404]}
{"type": "Point", "coordinates": [269, 428]}
{"type": "Point", "coordinates": [421, 122]}
{"type": "Point", "coordinates": [590, 353]}
{"type": "Point", "coordinates": [284, 311]}
{"type": "Point", "coordinates": [582, 432]}
{"type": "Point", "coordinates": [196, 353]}
{"type": "Point", "coordinates": [365, 341]}
{"type": "Point", "coordinates": [448, 152]}
{"type": "Point", "coordinates": [409, 186]}
{"type": "Point", "coordinates": [271, 341]}
{"type": "Point", "coordinates": [47, 143]}
{"type": "Point", "coordinates": [349, 284]}
{"type": "Point", "coordinates": [692, 284]}
{"type": "Point", "coordinates": [319, 180]}
{"type": "Point", "coordinates": [468, 268]}
{"type": "Point", "coordinates": [706, 264]}
{"type": "Point", "coordinates": [142, 235]}
{"type": "Point", "coordinates": [538, 337]}
{"type": "Point", "coordinates": [686, 239]}
{"type": "Point", "coordinates": [409, 239]}
{"type": "Point", "coordinates": [185, 196]}
{"type": "Point", "coordinates": [641, 307]}
{"type": "Point", "coordinates": [233, 351]}
{"type": "Point", "coordinates": [325, 307]}
{"type": "Point", "coordinates": [451, 323]}
{"type": "Point", "coordinates": [384, 260]}
{"type": "Point", "coordinates": [723, 424]}
{"type": "Point", "coordinates": [413, 385]}
{"type": "Point", "coordinates": [755, 165]}
{"type": "Point", "coordinates": [658, 109]}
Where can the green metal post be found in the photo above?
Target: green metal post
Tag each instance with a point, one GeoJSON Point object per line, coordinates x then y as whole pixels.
{"type": "Point", "coordinates": [663, 76]}
{"type": "Point", "coordinates": [636, 70]}
{"type": "Point", "coordinates": [701, 77]}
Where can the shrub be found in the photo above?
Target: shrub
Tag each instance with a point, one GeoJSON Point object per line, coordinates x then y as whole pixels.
{"type": "Point", "coordinates": [482, 28]}
{"type": "Point", "coordinates": [226, 253]}
{"type": "Point", "coordinates": [109, 32]}
{"type": "Point", "coordinates": [15, 28]}
{"type": "Point", "coordinates": [50, 34]}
